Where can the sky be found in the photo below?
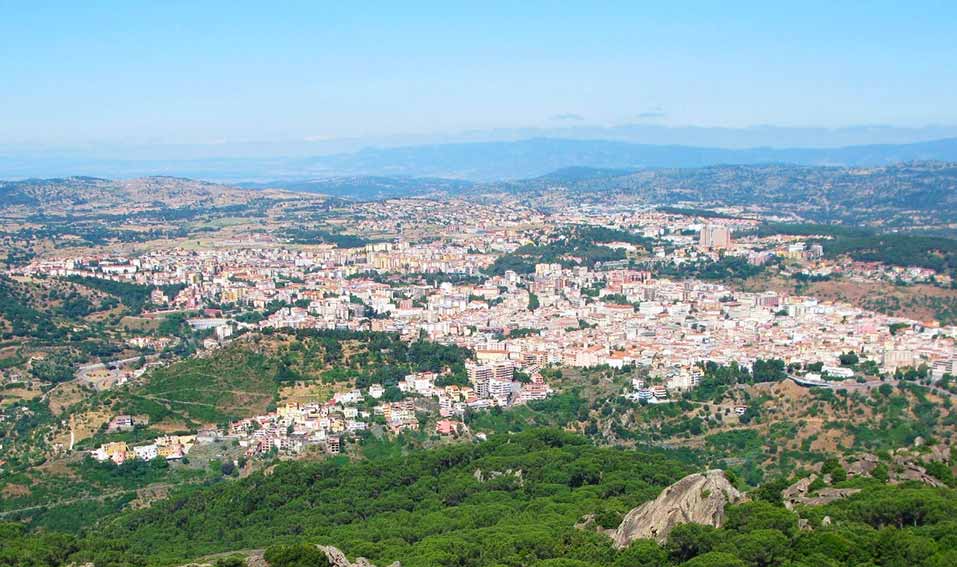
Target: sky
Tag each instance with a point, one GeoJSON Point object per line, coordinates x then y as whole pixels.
{"type": "Point", "coordinates": [101, 74]}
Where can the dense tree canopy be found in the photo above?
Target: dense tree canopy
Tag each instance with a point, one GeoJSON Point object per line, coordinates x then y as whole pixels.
{"type": "Point", "coordinates": [511, 501]}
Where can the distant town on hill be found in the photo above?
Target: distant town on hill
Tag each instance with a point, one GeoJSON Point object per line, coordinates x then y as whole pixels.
{"type": "Point", "coordinates": [919, 196]}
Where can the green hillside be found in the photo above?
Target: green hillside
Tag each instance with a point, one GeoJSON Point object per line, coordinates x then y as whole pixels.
{"type": "Point", "coordinates": [234, 383]}
{"type": "Point", "coordinates": [511, 501]}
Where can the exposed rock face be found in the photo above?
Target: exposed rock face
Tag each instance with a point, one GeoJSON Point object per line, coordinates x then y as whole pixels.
{"type": "Point", "coordinates": [336, 559]}
{"type": "Point", "coordinates": [339, 559]}
{"type": "Point", "coordinates": [909, 470]}
{"type": "Point", "coordinates": [793, 494]}
{"type": "Point", "coordinates": [863, 466]}
{"type": "Point", "coordinates": [799, 493]}
{"type": "Point", "coordinates": [699, 498]}
{"type": "Point", "coordinates": [483, 476]}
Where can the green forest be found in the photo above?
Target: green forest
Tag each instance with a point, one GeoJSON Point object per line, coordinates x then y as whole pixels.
{"type": "Point", "coordinates": [511, 501]}
{"type": "Point", "coordinates": [575, 246]}
{"type": "Point", "coordinates": [869, 245]}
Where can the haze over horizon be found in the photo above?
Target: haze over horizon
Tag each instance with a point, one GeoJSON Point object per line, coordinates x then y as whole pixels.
{"type": "Point", "coordinates": [108, 81]}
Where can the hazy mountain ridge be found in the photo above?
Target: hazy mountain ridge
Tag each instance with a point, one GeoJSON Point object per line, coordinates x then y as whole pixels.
{"type": "Point", "coordinates": [481, 161]}
{"type": "Point", "coordinates": [487, 161]}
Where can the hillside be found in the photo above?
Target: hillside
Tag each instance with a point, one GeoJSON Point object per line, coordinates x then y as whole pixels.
{"type": "Point", "coordinates": [513, 500]}
{"type": "Point", "coordinates": [42, 316]}
{"type": "Point", "coordinates": [541, 498]}
{"type": "Point", "coordinates": [59, 322]}
{"type": "Point", "coordinates": [38, 216]}
{"type": "Point", "coordinates": [91, 193]}
{"type": "Point", "coordinates": [251, 374]}
{"type": "Point", "coordinates": [232, 384]}
{"type": "Point", "coordinates": [249, 377]}
{"type": "Point", "coordinates": [922, 193]}
{"type": "Point", "coordinates": [900, 195]}
{"type": "Point", "coordinates": [367, 187]}
{"type": "Point", "coordinates": [427, 508]}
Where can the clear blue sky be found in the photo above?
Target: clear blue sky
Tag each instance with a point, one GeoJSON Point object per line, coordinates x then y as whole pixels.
{"type": "Point", "coordinates": [186, 72]}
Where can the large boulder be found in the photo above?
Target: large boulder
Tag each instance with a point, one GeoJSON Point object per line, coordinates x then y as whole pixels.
{"type": "Point", "coordinates": [699, 498]}
{"type": "Point", "coordinates": [339, 559]}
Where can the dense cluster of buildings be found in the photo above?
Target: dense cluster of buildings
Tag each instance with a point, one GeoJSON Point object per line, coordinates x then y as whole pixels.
{"type": "Point", "coordinates": [169, 447]}
{"type": "Point", "coordinates": [518, 322]}
{"type": "Point", "coordinates": [294, 427]}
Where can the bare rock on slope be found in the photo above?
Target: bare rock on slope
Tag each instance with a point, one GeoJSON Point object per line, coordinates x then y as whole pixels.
{"type": "Point", "coordinates": [255, 559]}
{"type": "Point", "coordinates": [339, 559]}
{"type": "Point", "coordinates": [799, 493]}
{"type": "Point", "coordinates": [699, 498]}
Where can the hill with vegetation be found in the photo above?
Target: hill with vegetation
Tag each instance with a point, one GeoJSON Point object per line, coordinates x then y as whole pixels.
{"type": "Point", "coordinates": [541, 498]}
{"type": "Point", "coordinates": [249, 377]}
{"type": "Point", "coordinates": [902, 194]}
{"type": "Point", "coordinates": [369, 187]}
{"type": "Point", "coordinates": [91, 192]}
{"type": "Point", "coordinates": [57, 323]}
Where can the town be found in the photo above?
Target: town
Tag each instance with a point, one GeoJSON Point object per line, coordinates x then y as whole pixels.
{"type": "Point", "coordinates": [635, 308]}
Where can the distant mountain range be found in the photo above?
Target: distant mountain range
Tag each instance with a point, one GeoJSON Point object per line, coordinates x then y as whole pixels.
{"type": "Point", "coordinates": [530, 158]}
{"type": "Point", "coordinates": [482, 161]}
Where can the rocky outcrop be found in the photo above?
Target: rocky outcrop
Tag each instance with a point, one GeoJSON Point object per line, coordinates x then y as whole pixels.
{"type": "Point", "coordinates": [905, 465]}
{"type": "Point", "coordinates": [799, 493]}
{"type": "Point", "coordinates": [699, 498]}
{"type": "Point", "coordinates": [483, 476]}
{"type": "Point", "coordinates": [338, 559]}
{"type": "Point", "coordinates": [908, 470]}
{"type": "Point", "coordinates": [863, 466]}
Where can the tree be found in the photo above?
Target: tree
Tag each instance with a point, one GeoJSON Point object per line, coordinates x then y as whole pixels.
{"type": "Point", "coordinates": [55, 371]}
{"type": "Point", "coordinates": [642, 553]}
{"type": "Point", "coordinates": [849, 358]}
{"type": "Point", "coordinates": [562, 562]}
{"type": "Point", "coordinates": [761, 516]}
{"type": "Point", "coordinates": [690, 540]}
{"type": "Point", "coordinates": [830, 544]}
{"type": "Point", "coordinates": [759, 548]}
{"type": "Point", "coordinates": [533, 303]}
{"type": "Point", "coordinates": [771, 370]}
{"type": "Point", "coordinates": [522, 377]}
{"type": "Point", "coordinates": [771, 491]}
{"type": "Point", "coordinates": [881, 472]}
{"type": "Point", "coordinates": [947, 558]}
{"type": "Point", "coordinates": [903, 547]}
{"type": "Point", "coordinates": [715, 559]}
{"type": "Point", "coordinates": [833, 467]}
{"type": "Point", "coordinates": [941, 472]}
{"type": "Point", "coordinates": [295, 555]}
